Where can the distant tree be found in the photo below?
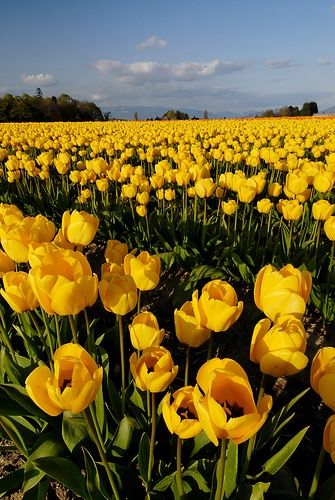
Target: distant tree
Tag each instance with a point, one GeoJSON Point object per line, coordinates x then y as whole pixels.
{"type": "Point", "coordinates": [172, 114]}
{"type": "Point", "coordinates": [107, 115]}
{"type": "Point", "coordinates": [314, 107]}
{"type": "Point", "coordinates": [135, 116]}
{"type": "Point", "coordinates": [39, 93]}
{"type": "Point", "coordinates": [205, 114]}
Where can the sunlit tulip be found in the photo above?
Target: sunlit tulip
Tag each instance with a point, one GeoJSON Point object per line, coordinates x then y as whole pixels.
{"type": "Point", "coordinates": [228, 410]}
{"type": "Point", "coordinates": [229, 207]}
{"type": "Point", "coordinates": [264, 206]}
{"type": "Point", "coordinates": [329, 437]}
{"type": "Point", "coordinates": [329, 227]}
{"type": "Point", "coordinates": [102, 185]}
{"type": "Point", "coordinates": [144, 331]}
{"type": "Point", "coordinates": [169, 194]}
{"type": "Point", "coordinates": [218, 307]}
{"type": "Point", "coordinates": [154, 370]}
{"type": "Point", "coordinates": [141, 210]}
{"type": "Point", "coordinates": [324, 182]}
{"type": "Point", "coordinates": [118, 293]}
{"type": "Point", "coordinates": [115, 251]}
{"type": "Point", "coordinates": [291, 209]}
{"type": "Point", "coordinates": [144, 268]}
{"type": "Point", "coordinates": [279, 348]}
{"type": "Point", "coordinates": [296, 183]}
{"type": "Point", "coordinates": [204, 188]}
{"type": "Point", "coordinates": [322, 209]}
{"type": "Point", "coordinates": [72, 385]}
{"type": "Point", "coordinates": [275, 189]}
{"type": "Point", "coordinates": [322, 376]}
{"type": "Point", "coordinates": [9, 214]}
{"type": "Point", "coordinates": [282, 292]}
{"type": "Point", "coordinates": [181, 416]}
{"type": "Point", "coordinates": [79, 228]}
{"type": "Point", "coordinates": [17, 292]}
{"type": "Point", "coordinates": [63, 282]}
{"type": "Point", "coordinates": [188, 329]}
{"type": "Point", "coordinates": [6, 264]}
{"type": "Point", "coordinates": [246, 192]}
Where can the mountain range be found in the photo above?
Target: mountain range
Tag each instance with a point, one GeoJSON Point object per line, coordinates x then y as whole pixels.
{"type": "Point", "coordinates": [152, 112]}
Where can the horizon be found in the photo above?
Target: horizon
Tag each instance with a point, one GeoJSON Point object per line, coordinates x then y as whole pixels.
{"type": "Point", "coordinates": [249, 57]}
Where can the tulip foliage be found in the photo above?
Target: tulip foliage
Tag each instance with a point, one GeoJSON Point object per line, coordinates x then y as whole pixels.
{"type": "Point", "coordinates": [155, 289]}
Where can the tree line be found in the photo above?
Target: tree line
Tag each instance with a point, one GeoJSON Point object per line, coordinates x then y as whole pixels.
{"type": "Point", "coordinates": [37, 108]}
{"type": "Point", "coordinates": [308, 109]}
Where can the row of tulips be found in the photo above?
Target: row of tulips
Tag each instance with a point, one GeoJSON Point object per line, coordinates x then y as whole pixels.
{"type": "Point", "coordinates": [108, 406]}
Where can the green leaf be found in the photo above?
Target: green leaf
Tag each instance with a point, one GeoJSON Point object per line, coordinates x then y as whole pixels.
{"type": "Point", "coordinates": [12, 481]}
{"type": "Point", "coordinates": [16, 369]}
{"type": "Point", "coordinates": [13, 434]}
{"type": "Point", "coordinates": [165, 483]}
{"type": "Point", "coordinates": [326, 490]}
{"type": "Point", "coordinates": [92, 477]}
{"type": "Point", "coordinates": [198, 478]}
{"type": "Point", "coordinates": [243, 268]}
{"type": "Point", "coordinates": [206, 271]}
{"type": "Point", "coordinates": [123, 436]}
{"type": "Point", "coordinates": [64, 471]}
{"type": "Point", "coordinates": [143, 456]}
{"type": "Point", "coordinates": [74, 430]}
{"type": "Point", "coordinates": [252, 491]}
{"type": "Point", "coordinates": [277, 461]}
{"type": "Point", "coordinates": [19, 394]}
{"type": "Point", "coordinates": [99, 408]}
{"type": "Point", "coordinates": [199, 443]}
{"type": "Point", "coordinates": [231, 469]}
{"type": "Point", "coordinates": [114, 401]}
{"type": "Point", "coordinates": [38, 492]}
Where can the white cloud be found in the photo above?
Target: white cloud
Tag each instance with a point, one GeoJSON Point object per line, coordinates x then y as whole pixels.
{"type": "Point", "coordinates": [280, 63]}
{"type": "Point", "coordinates": [152, 41]}
{"type": "Point", "coordinates": [140, 71]}
{"type": "Point", "coordinates": [41, 79]}
{"type": "Point", "coordinates": [324, 61]}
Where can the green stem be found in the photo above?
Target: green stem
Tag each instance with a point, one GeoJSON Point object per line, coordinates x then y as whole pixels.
{"type": "Point", "coordinates": [152, 439]}
{"type": "Point", "coordinates": [59, 340]}
{"type": "Point", "coordinates": [40, 334]}
{"type": "Point", "coordinates": [123, 371]}
{"type": "Point", "coordinates": [7, 342]}
{"type": "Point", "coordinates": [47, 329]}
{"type": "Point", "coordinates": [74, 330]}
{"type": "Point", "coordinates": [179, 477]}
{"type": "Point", "coordinates": [187, 364]}
{"type": "Point", "coordinates": [210, 347]}
{"type": "Point", "coordinates": [148, 406]}
{"type": "Point", "coordinates": [220, 471]}
{"type": "Point", "coordinates": [102, 453]}
{"type": "Point", "coordinates": [317, 472]}
{"type": "Point", "coordinates": [90, 338]}
{"type": "Point", "coordinates": [139, 302]}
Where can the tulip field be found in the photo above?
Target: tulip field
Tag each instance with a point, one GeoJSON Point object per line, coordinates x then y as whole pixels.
{"type": "Point", "coordinates": [167, 309]}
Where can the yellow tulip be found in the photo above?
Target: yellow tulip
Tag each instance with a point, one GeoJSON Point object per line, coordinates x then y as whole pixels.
{"type": "Point", "coordinates": [291, 209]}
{"type": "Point", "coordinates": [181, 416]}
{"type": "Point", "coordinates": [6, 264]}
{"type": "Point", "coordinates": [188, 329]}
{"type": "Point", "coordinates": [17, 292]}
{"type": "Point", "coordinates": [118, 293]}
{"type": "Point", "coordinates": [329, 437]}
{"type": "Point", "coordinates": [79, 228]}
{"type": "Point", "coordinates": [141, 210]}
{"type": "Point", "coordinates": [279, 349]}
{"type": "Point", "coordinates": [154, 370]}
{"type": "Point", "coordinates": [229, 207]}
{"type": "Point", "coordinates": [115, 252]}
{"type": "Point", "coordinates": [73, 384]}
{"type": "Point", "coordinates": [218, 307]}
{"type": "Point", "coordinates": [102, 185]}
{"type": "Point", "coordinates": [144, 331]}
{"type": "Point", "coordinates": [144, 268]}
{"type": "Point", "coordinates": [228, 410]}
{"type": "Point", "coordinates": [264, 206]}
{"type": "Point", "coordinates": [322, 209]}
{"type": "Point", "coordinates": [275, 189]}
{"type": "Point", "coordinates": [329, 227]}
{"type": "Point", "coordinates": [205, 188]}
{"type": "Point", "coordinates": [282, 292]}
{"type": "Point", "coordinates": [169, 194]}
{"type": "Point", "coordinates": [246, 192]}
{"type": "Point", "coordinates": [322, 375]}
{"type": "Point", "coordinates": [9, 214]}
{"type": "Point", "coordinates": [296, 183]}
{"type": "Point", "coordinates": [63, 282]}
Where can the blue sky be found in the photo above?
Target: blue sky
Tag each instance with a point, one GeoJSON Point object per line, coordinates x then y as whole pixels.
{"type": "Point", "coordinates": [235, 55]}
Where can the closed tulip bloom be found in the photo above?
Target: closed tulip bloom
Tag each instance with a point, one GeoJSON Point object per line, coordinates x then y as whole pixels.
{"type": "Point", "coordinates": [144, 331]}
{"type": "Point", "coordinates": [228, 410]}
{"type": "Point", "coordinates": [329, 437]}
{"type": "Point", "coordinates": [102, 185]}
{"type": "Point", "coordinates": [296, 183]}
{"type": "Point", "coordinates": [118, 293]}
{"type": "Point", "coordinates": [141, 210]}
{"type": "Point", "coordinates": [79, 228]}
{"type": "Point", "coordinates": [205, 188]}
{"type": "Point", "coordinates": [329, 227]}
{"type": "Point", "coordinates": [73, 384]}
{"type": "Point", "coordinates": [218, 307]}
{"type": "Point", "coordinates": [143, 198]}
{"type": "Point", "coordinates": [154, 370]}
{"type": "Point", "coordinates": [169, 194]}
{"type": "Point", "coordinates": [322, 209]}
{"type": "Point", "coordinates": [63, 282]}
{"type": "Point", "coordinates": [291, 209]}
{"type": "Point", "coordinates": [17, 292]}
{"type": "Point", "coordinates": [10, 214]}
{"type": "Point", "coordinates": [60, 241]}
{"type": "Point", "coordinates": [282, 292]}
{"type": "Point", "coordinates": [181, 416]}
{"type": "Point", "coordinates": [264, 206]}
{"type": "Point", "coordinates": [229, 207]}
{"type": "Point", "coordinates": [275, 189]}
{"type": "Point", "coordinates": [324, 182]}
{"type": "Point", "coordinates": [115, 252]}
{"type": "Point", "coordinates": [246, 193]}
{"type": "Point", "coordinates": [6, 264]}
{"type": "Point", "coordinates": [188, 329]}
{"type": "Point", "coordinates": [144, 268]}
{"type": "Point", "coordinates": [322, 375]}
{"type": "Point", "coordinates": [279, 348]}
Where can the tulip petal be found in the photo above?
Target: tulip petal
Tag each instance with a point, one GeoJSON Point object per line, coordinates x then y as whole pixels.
{"type": "Point", "coordinates": [37, 390]}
